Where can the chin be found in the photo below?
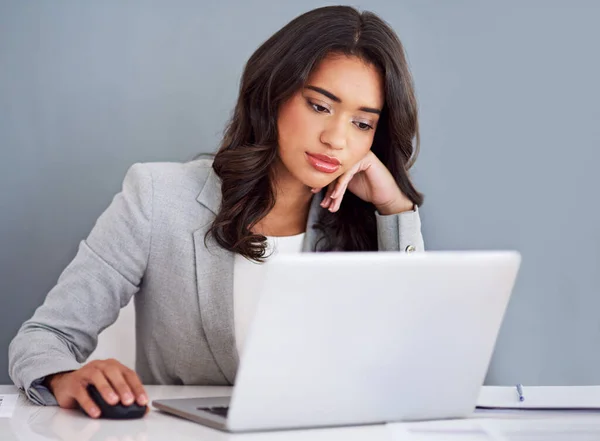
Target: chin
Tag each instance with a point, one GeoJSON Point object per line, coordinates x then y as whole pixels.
{"type": "Point", "coordinates": [311, 177]}
{"type": "Point", "coordinates": [317, 179]}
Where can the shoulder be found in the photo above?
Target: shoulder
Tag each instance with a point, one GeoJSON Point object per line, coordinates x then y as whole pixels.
{"type": "Point", "coordinates": [176, 175]}
{"type": "Point", "coordinates": [173, 185]}
{"type": "Point", "coordinates": [169, 178]}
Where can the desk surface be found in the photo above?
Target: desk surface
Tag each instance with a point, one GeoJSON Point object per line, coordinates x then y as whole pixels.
{"type": "Point", "coordinates": [37, 423]}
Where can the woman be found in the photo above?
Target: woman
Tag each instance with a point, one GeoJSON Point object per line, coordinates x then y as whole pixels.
{"type": "Point", "coordinates": [315, 158]}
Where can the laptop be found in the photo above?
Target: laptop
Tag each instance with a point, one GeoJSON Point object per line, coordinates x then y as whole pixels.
{"type": "Point", "coordinates": [364, 338]}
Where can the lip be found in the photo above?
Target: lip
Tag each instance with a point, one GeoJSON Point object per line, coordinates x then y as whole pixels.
{"type": "Point", "coordinates": [323, 163]}
{"type": "Point", "coordinates": [325, 158]}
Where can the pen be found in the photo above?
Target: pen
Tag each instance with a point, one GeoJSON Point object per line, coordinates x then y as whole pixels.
{"type": "Point", "coordinates": [520, 392]}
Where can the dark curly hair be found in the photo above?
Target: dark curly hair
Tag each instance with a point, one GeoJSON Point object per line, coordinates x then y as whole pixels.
{"type": "Point", "coordinates": [279, 68]}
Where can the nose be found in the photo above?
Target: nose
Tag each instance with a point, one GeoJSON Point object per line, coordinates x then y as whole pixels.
{"type": "Point", "coordinates": [334, 134]}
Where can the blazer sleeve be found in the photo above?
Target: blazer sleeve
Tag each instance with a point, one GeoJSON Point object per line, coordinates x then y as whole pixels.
{"type": "Point", "coordinates": [99, 281]}
{"type": "Point", "coordinates": [400, 232]}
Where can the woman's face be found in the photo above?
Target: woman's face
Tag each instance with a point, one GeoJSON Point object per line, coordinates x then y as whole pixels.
{"type": "Point", "coordinates": [328, 126]}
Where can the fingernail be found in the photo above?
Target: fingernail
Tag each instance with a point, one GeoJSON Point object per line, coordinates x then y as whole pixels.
{"type": "Point", "coordinates": [113, 396]}
{"type": "Point", "coordinates": [94, 411]}
{"type": "Point", "coordinates": [127, 398]}
{"type": "Point", "coordinates": [143, 399]}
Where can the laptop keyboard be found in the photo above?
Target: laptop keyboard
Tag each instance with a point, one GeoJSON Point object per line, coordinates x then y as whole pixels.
{"type": "Point", "coordinates": [221, 411]}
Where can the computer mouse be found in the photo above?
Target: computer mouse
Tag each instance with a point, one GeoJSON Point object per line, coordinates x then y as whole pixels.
{"type": "Point", "coordinates": [118, 411]}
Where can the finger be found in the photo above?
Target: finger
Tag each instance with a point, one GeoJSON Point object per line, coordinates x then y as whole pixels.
{"type": "Point", "coordinates": [342, 185]}
{"type": "Point", "coordinates": [86, 403]}
{"type": "Point", "coordinates": [65, 400]}
{"type": "Point", "coordinates": [327, 199]}
{"type": "Point", "coordinates": [136, 387]}
{"type": "Point", "coordinates": [316, 189]}
{"type": "Point", "coordinates": [116, 378]}
{"type": "Point", "coordinates": [337, 202]}
{"type": "Point", "coordinates": [330, 190]}
{"type": "Point", "coordinates": [108, 393]}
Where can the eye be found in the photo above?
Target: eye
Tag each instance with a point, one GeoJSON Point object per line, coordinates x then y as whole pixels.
{"type": "Point", "coordinates": [363, 126]}
{"type": "Point", "coordinates": [317, 108]}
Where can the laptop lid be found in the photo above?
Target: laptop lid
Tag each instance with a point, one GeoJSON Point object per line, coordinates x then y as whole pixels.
{"type": "Point", "coordinates": [360, 338]}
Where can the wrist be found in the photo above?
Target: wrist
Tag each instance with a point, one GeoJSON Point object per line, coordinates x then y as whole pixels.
{"type": "Point", "coordinates": [51, 380]}
{"type": "Point", "coordinates": [397, 206]}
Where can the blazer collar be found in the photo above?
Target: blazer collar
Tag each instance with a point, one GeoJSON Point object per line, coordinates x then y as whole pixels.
{"type": "Point", "coordinates": [210, 195]}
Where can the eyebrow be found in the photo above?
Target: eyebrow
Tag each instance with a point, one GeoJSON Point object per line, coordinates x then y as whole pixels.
{"type": "Point", "coordinates": [331, 96]}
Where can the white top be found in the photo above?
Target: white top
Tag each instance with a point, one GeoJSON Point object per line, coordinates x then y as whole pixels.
{"type": "Point", "coordinates": [246, 280]}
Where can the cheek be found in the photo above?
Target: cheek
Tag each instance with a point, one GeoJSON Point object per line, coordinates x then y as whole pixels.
{"type": "Point", "coordinates": [360, 146]}
{"type": "Point", "coordinates": [295, 126]}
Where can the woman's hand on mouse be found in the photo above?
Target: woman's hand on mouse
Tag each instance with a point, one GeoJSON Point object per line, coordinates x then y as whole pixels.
{"type": "Point", "coordinates": [371, 181]}
{"type": "Point", "coordinates": [115, 382]}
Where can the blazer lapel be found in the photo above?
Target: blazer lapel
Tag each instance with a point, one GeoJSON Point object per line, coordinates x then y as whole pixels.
{"type": "Point", "coordinates": [214, 276]}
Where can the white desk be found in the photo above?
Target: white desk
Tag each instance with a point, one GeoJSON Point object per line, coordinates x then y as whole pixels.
{"type": "Point", "coordinates": [37, 423]}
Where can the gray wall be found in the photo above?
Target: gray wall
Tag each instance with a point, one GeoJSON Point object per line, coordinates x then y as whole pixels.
{"type": "Point", "coordinates": [510, 135]}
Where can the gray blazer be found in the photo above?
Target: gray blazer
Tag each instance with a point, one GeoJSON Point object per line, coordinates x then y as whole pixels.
{"type": "Point", "coordinates": [150, 242]}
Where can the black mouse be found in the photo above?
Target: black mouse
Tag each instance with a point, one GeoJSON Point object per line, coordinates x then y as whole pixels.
{"type": "Point", "coordinates": [118, 411]}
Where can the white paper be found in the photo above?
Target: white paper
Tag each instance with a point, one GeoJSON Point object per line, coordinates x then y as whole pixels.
{"type": "Point", "coordinates": [7, 405]}
{"type": "Point", "coordinates": [500, 413]}
{"type": "Point", "coordinates": [540, 397]}
{"type": "Point", "coordinates": [556, 430]}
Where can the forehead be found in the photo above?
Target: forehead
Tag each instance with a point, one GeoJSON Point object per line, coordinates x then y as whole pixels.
{"type": "Point", "coordinates": [355, 82]}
